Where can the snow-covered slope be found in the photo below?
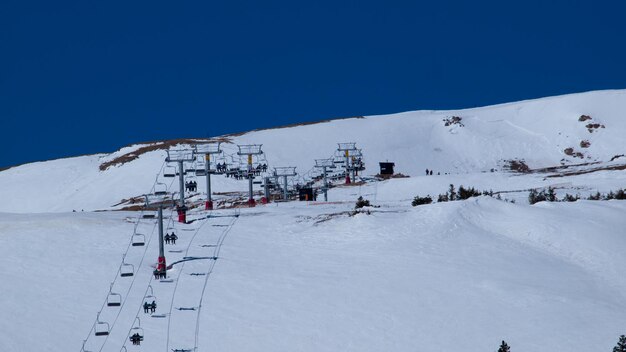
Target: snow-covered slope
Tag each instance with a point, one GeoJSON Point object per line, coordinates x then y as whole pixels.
{"type": "Point", "coordinates": [316, 276]}
{"type": "Point", "coordinates": [537, 131]}
{"type": "Point", "coordinates": [296, 277]}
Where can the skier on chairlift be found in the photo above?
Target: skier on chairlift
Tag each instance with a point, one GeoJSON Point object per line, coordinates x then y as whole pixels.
{"type": "Point", "coordinates": [146, 307]}
{"type": "Point", "coordinates": [167, 238]}
{"type": "Point", "coordinates": [173, 238]}
{"type": "Point", "coordinates": [153, 306]}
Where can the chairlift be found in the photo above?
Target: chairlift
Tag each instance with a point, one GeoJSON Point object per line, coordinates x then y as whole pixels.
{"type": "Point", "coordinates": [114, 299]}
{"type": "Point", "coordinates": [102, 328]}
{"type": "Point", "coordinates": [139, 240]}
{"type": "Point", "coordinates": [169, 171]}
{"type": "Point", "coordinates": [149, 296]}
{"type": "Point", "coordinates": [126, 269]}
{"type": "Point", "coordinates": [160, 189]}
{"type": "Point", "coordinates": [137, 330]}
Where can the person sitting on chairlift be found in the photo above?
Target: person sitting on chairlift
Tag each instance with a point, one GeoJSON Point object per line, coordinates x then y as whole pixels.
{"type": "Point", "coordinates": [136, 339]}
{"type": "Point", "coordinates": [153, 306]}
{"type": "Point", "coordinates": [146, 307]}
{"type": "Point", "coordinates": [167, 238]}
{"type": "Point", "coordinates": [173, 238]}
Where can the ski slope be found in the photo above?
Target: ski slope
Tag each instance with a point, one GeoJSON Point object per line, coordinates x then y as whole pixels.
{"type": "Point", "coordinates": [543, 277]}
{"type": "Point", "coordinates": [315, 276]}
{"type": "Point", "coordinates": [537, 131]}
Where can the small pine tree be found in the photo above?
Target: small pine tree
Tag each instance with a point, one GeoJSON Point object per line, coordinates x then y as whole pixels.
{"type": "Point", "coordinates": [452, 193]}
{"type": "Point", "coordinates": [570, 198]}
{"type": "Point", "coordinates": [610, 196]}
{"type": "Point", "coordinates": [596, 196]}
{"type": "Point", "coordinates": [442, 197]}
{"type": "Point", "coordinates": [620, 194]}
{"type": "Point", "coordinates": [621, 344]}
{"type": "Point", "coordinates": [504, 347]}
{"type": "Point", "coordinates": [551, 196]}
{"type": "Point", "coordinates": [421, 200]}
{"type": "Point", "coordinates": [535, 197]}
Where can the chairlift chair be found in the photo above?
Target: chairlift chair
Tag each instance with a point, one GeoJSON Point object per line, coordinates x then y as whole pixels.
{"type": "Point", "coordinates": [102, 328]}
{"type": "Point", "coordinates": [160, 189]}
{"type": "Point", "coordinates": [114, 299]}
{"type": "Point", "coordinates": [139, 240]}
{"type": "Point", "coordinates": [169, 171]}
{"type": "Point", "coordinates": [150, 296]}
{"type": "Point", "coordinates": [127, 270]}
{"type": "Point", "coordinates": [137, 330]}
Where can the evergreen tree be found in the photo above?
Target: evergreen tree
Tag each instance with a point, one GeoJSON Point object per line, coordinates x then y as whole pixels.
{"type": "Point", "coordinates": [504, 347]}
{"type": "Point", "coordinates": [532, 196]}
{"type": "Point", "coordinates": [596, 196]}
{"type": "Point", "coordinates": [421, 200]}
{"type": "Point", "coordinates": [551, 197]}
{"type": "Point", "coordinates": [452, 193]}
{"type": "Point", "coordinates": [621, 345]}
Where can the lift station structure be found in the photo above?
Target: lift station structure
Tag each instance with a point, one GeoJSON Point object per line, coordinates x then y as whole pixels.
{"type": "Point", "coordinates": [348, 150]}
{"type": "Point", "coordinates": [207, 150]}
{"type": "Point", "coordinates": [181, 156]}
{"type": "Point", "coordinates": [284, 172]}
{"type": "Point", "coordinates": [250, 150]}
{"type": "Point", "coordinates": [325, 164]}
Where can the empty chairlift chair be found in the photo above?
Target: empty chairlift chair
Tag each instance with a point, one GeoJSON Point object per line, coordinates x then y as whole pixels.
{"type": "Point", "coordinates": [114, 299]}
{"type": "Point", "coordinates": [101, 328]}
{"type": "Point", "coordinates": [139, 240]}
{"type": "Point", "coordinates": [169, 171]}
{"type": "Point", "coordinates": [160, 189]}
{"type": "Point", "coordinates": [126, 269]}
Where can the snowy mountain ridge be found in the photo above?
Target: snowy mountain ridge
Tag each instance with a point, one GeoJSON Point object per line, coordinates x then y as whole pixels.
{"type": "Point", "coordinates": [544, 132]}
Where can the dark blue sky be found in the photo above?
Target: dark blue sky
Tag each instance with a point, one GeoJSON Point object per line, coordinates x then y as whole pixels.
{"type": "Point", "coordinates": [81, 77]}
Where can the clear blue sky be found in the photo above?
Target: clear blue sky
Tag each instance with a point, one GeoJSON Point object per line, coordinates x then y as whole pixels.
{"type": "Point", "coordinates": [81, 77]}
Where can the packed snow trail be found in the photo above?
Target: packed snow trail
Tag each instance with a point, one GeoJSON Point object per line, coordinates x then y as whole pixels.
{"type": "Point", "coordinates": [184, 302]}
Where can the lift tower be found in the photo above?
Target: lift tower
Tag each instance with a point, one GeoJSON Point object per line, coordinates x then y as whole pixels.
{"type": "Point", "coordinates": [181, 156]}
{"type": "Point", "coordinates": [325, 164]}
{"type": "Point", "coordinates": [161, 263]}
{"type": "Point", "coordinates": [249, 150]}
{"type": "Point", "coordinates": [347, 149]}
{"type": "Point", "coordinates": [287, 171]}
{"type": "Point", "coordinates": [208, 150]}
